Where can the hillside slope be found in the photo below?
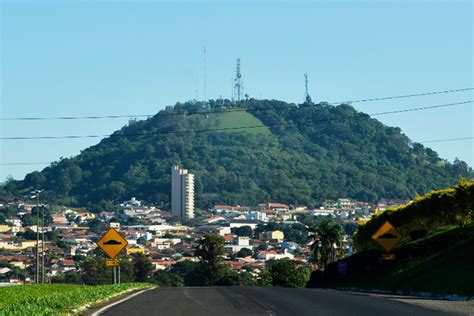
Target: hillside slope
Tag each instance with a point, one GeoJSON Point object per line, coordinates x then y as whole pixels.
{"type": "Point", "coordinates": [435, 253]}
{"type": "Point", "coordinates": [441, 264]}
{"type": "Point", "coordinates": [306, 154]}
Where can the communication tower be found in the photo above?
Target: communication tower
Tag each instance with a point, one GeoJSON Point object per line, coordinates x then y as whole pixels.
{"type": "Point", "coordinates": [238, 83]}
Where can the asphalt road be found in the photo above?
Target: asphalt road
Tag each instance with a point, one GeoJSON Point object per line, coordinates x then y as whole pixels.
{"type": "Point", "coordinates": [217, 301]}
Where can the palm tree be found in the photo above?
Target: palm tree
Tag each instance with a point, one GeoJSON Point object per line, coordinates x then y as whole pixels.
{"type": "Point", "coordinates": [326, 241]}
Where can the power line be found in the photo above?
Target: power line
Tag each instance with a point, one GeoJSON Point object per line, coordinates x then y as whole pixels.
{"type": "Point", "coordinates": [224, 110]}
{"type": "Point", "coordinates": [234, 128]}
{"type": "Point", "coordinates": [446, 140]}
{"type": "Point", "coordinates": [24, 163]}
{"type": "Point", "coordinates": [410, 95]}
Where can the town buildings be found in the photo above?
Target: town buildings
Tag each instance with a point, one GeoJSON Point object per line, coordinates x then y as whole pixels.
{"type": "Point", "coordinates": [252, 234]}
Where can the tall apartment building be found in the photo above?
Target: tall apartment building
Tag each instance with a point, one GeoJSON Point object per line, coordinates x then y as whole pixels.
{"type": "Point", "coordinates": [182, 193]}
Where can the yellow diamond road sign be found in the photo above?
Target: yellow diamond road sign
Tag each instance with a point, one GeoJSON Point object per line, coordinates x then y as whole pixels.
{"type": "Point", "coordinates": [112, 243]}
{"type": "Point", "coordinates": [387, 236]}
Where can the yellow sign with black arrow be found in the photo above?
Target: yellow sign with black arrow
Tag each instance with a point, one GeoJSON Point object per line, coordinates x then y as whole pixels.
{"type": "Point", "coordinates": [387, 236]}
{"type": "Point", "coordinates": [112, 243]}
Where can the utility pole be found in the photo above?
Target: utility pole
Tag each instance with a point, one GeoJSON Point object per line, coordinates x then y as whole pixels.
{"type": "Point", "coordinates": [42, 248]}
{"type": "Point", "coordinates": [118, 273]}
{"type": "Point", "coordinates": [37, 193]}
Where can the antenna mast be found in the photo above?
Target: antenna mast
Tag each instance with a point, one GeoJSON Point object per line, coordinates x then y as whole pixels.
{"type": "Point", "coordinates": [205, 77]}
{"type": "Point", "coordinates": [238, 83]}
{"type": "Point", "coordinates": [307, 97]}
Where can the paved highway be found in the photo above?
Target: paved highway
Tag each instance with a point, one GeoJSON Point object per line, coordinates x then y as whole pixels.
{"type": "Point", "coordinates": [217, 301]}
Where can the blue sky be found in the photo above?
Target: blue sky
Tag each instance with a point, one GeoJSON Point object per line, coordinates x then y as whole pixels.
{"type": "Point", "coordinates": [75, 58]}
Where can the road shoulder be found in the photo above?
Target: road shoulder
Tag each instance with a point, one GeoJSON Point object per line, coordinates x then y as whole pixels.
{"type": "Point", "coordinates": [461, 307]}
{"type": "Point", "coordinates": [100, 307]}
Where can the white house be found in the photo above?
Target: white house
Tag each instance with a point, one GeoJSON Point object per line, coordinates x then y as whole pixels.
{"type": "Point", "coordinates": [322, 212]}
{"type": "Point", "coordinates": [273, 254]}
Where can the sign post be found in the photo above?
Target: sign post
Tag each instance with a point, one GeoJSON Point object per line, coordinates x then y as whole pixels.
{"type": "Point", "coordinates": [387, 237]}
{"type": "Point", "coordinates": [112, 243]}
{"type": "Point", "coordinates": [342, 268]}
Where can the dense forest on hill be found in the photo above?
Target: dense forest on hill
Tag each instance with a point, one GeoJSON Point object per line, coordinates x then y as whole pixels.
{"type": "Point", "coordinates": [306, 153]}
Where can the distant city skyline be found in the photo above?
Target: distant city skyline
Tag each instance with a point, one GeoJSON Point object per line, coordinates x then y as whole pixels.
{"type": "Point", "coordinates": [114, 58]}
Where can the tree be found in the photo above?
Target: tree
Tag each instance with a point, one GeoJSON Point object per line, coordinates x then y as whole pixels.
{"type": "Point", "coordinates": [296, 233]}
{"type": "Point", "coordinates": [288, 273]}
{"type": "Point", "coordinates": [95, 272]}
{"type": "Point", "coordinates": [142, 267]}
{"type": "Point", "coordinates": [70, 277]}
{"type": "Point", "coordinates": [210, 251]}
{"type": "Point", "coordinates": [186, 269]}
{"type": "Point", "coordinates": [2, 219]}
{"type": "Point", "coordinates": [244, 252]}
{"type": "Point", "coordinates": [264, 278]}
{"type": "Point", "coordinates": [167, 279]}
{"type": "Point", "coordinates": [327, 240]}
{"type": "Point", "coordinates": [349, 228]}
{"type": "Point", "coordinates": [95, 225]}
{"type": "Point", "coordinates": [242, 231]}
{"type": "Point", "coordinates": [228, 277]}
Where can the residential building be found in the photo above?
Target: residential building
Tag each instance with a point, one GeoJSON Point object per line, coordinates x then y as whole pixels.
{"type": "Point", "coordinates": [274, 254]}
{"type": "Point", "coordinates": [322, 212]}
{"type": "Point", "coordinates": [182, 193]}
{"type": "Point", "coordinates": [344, 203]}
{"type": "Point", "coordinates": [275, 235]}
{"type": "Point", "coordinates": [240, 223]}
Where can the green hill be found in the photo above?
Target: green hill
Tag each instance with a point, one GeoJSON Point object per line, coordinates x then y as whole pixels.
{"type": "Point", "coordinates": [307, 153]}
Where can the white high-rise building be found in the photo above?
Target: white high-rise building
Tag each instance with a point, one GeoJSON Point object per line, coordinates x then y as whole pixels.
{"type": "Point", "coordinates": [182, 193]}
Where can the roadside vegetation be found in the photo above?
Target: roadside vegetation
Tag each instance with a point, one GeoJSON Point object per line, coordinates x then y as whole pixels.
{"type": "Point", "coordinates": [436, 254]}
{"type": "Point", "coordinates": [425, 214]}
{"type": "Point", "coordinates": [57, 299]}
{"type": "Point", "coordinates": [440, 263]}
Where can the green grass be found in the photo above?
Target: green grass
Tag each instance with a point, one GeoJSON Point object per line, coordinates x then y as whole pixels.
{"type": "Point", "coordinates": [56, 299]}
{"type": "Point", "coordinates": [447, 272]}
{"type": "Point", "coordinates": [240, 119]}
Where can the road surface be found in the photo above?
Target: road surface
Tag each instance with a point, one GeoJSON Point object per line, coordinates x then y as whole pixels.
{"type": "Point", "coordinates": [217, 301]}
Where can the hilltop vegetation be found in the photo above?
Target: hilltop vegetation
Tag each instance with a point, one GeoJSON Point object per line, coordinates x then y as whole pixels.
{"type": "Point", "coordinates": [307, 153]}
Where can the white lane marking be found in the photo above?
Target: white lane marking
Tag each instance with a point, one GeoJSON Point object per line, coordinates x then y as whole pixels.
{"type": "Point", "coordinates": [103, 309]}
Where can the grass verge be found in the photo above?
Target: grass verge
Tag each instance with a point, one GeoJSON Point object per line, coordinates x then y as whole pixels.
{"type": "Point", "coordinates": [57, 299]}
